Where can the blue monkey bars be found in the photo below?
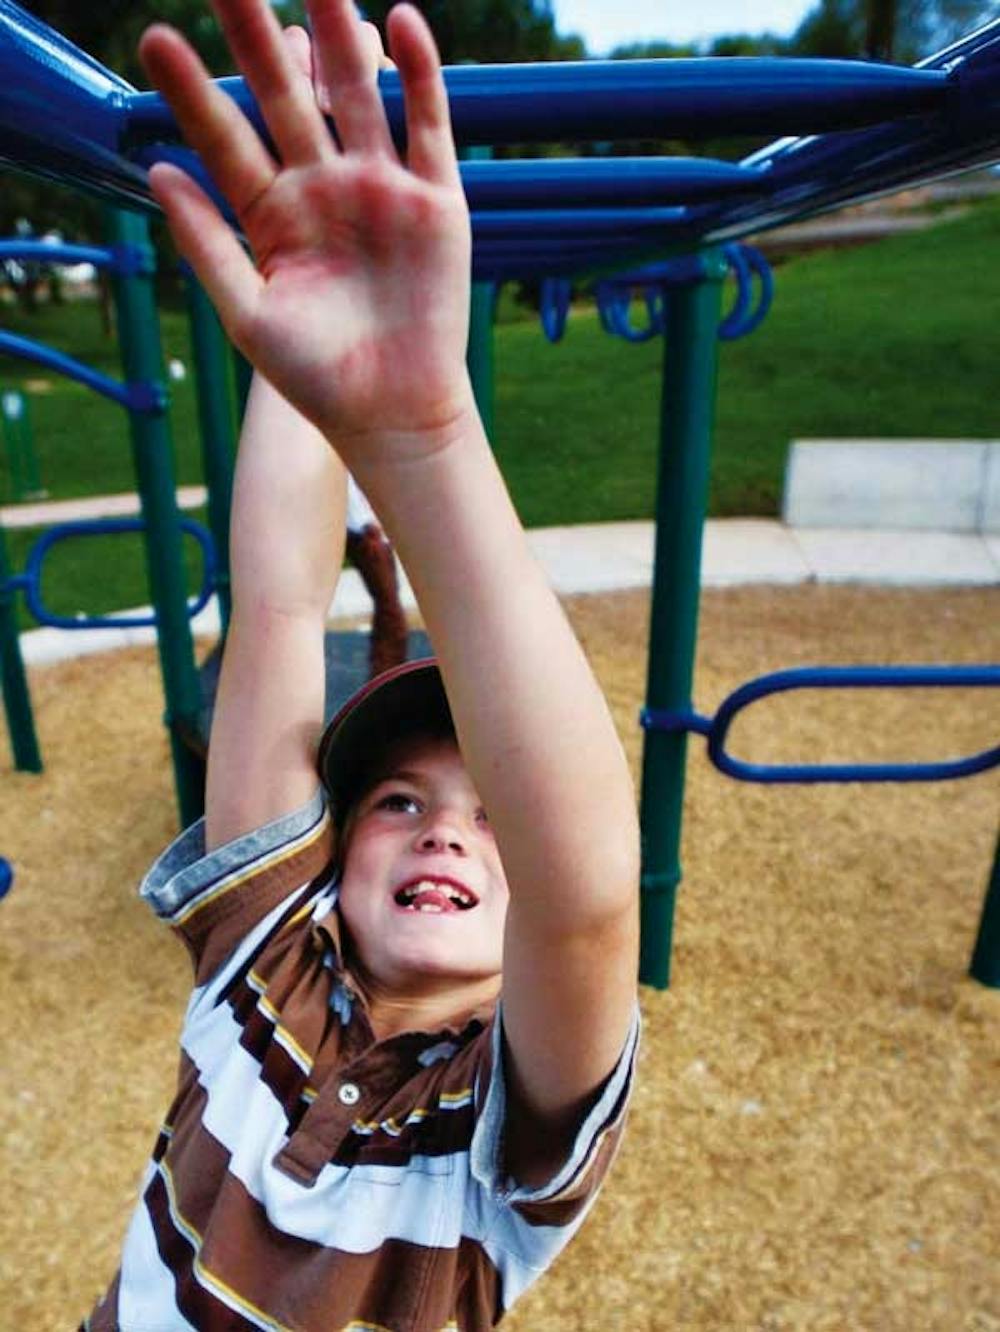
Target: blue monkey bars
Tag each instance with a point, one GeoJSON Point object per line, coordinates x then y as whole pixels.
{"type": "Point", "coordinates": [869, 128]}
{"type": "Point", "coordinates": [863, 129]}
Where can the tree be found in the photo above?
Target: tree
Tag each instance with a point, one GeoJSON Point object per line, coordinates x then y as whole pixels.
{"type": "Point", "coordinates": [898, 30]}
{"type": "Point", "coordinates": [110, 31]}
{"type": "Point", "coordinates": [490, 31]}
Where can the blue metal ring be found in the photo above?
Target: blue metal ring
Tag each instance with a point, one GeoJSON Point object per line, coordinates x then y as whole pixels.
{"type": "Point", "coordinates": [31, 580]}
{"type": "Point", "coordinates": [554, 306]}
{"type": "Point", "coordinates": [746, 263]}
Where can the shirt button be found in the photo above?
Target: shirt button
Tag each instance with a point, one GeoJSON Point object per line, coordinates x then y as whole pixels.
{"type": "Point", "coordinates": [348, 1093]}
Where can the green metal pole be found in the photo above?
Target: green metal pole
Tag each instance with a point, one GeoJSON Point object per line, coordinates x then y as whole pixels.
{"type": "Point", "coordinates": [243, 377]}
{"type": "Point", "coordinates": [16, 697]}
{"type": "Point", "coordinates": [152, 452]}
{"type": "Point", "coordinates": [985, 965]}
{"type": "Point", "coordinates": [687, 412]}
{"type": "Point", "coordinates": [480, 352]}
{"type": "Point", "coordinates": [215, 416]}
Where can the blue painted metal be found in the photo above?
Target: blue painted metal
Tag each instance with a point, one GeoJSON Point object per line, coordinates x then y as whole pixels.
{"type": "Point", "coordinates": [716, 728]}
{"type": "Point", "coordinates": [6, 877]}
{"type": "Point", "coordinates": [615, 295]}
{"type": "Point", "coordinates": [590, 224]}
{"type": "Point", "coordinates": [596, 100]}
{"type": "Point", "coordinates": [61, 112]}
{"type": "Point", "coordinates": [745, 318]}
{"type": "Point", "coordinates": [619, 182]}
{"type": "Point", "coordinates": [883, 127]}
{"type": "Point", "coordinates": [30, 582]}
{"type": "Point", "coordinates": [147, 398]}
{"type": "Point", "coordinates": [56, 253]}
{"type": "Point", "coordinates": [553, 307]}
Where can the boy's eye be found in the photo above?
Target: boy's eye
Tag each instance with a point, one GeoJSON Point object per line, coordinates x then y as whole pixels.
{"type": "Point", "coordinates": [399, 801]}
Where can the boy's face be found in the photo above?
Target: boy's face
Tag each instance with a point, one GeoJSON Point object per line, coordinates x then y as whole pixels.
{"type": "Point", "coordinates": [423, 891]}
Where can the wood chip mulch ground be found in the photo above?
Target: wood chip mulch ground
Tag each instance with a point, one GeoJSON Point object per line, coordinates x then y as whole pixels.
{"type": "Point", "coordinates": [815, 1138]}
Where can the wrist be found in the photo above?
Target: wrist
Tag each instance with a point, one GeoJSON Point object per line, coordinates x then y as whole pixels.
{"type": "Point", "coordinates": [372, 456]}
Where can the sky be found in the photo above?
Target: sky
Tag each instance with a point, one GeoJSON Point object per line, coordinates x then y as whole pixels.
{"type": "Point", "coordinates": [604, 24]}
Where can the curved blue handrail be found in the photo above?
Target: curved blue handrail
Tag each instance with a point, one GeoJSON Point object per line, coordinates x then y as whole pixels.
{"type": "Point", "coordinates": [150, 398]}
{"type": "Point", "coordinates": [30, 581]}
{"type": "Point", "coordinates": [716, 728]}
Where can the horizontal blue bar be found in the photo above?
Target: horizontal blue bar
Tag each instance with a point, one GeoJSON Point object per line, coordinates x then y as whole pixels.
{"type": "Point", "coordinates": [626, 99]}
{"type": "Point", "coordinates": [57, 253]}
{"type": "Point", "coordinates": [593, 182]}
{"type": "Point", "coordinates": [567, 224]}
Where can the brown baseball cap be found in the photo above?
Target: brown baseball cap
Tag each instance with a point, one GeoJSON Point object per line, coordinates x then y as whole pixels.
{"type": "Point", "coordinates": [408, 700]}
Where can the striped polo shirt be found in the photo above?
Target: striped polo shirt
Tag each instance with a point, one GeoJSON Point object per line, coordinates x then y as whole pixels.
{"type": "Point", "coordinates": [308, 1176]}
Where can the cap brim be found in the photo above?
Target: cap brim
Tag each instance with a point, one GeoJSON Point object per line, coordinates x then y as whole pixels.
{"type": "Point", "coordinates": [407, 700]}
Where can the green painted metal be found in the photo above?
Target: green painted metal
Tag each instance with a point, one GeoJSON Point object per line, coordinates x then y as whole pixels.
{"type": "Point", "coordinates": [985, 965]}
{"type": "Point", "coordinates": [22, 457]}
{"type": "Point", "coordinates": [16, 698]}
{"type": "Point", "coordinates": [243, 376]}
{"type": "Point", "coordinates": [686, 421]}
{"type": "Point", "coordinates": [218, 437]}
{"type": "Point", "coordinates": [152, 452]}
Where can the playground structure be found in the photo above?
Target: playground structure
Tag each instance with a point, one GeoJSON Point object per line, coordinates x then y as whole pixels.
{"type": "Point", "coordinates": [862, 129]}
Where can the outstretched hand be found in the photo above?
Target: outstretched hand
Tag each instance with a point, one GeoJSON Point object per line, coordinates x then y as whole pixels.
{"type": "Point", "coordinates": [355, 305]}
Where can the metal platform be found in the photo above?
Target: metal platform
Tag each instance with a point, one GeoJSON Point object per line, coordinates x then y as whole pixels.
{"type": "Point", "coordinates": [346, 671]}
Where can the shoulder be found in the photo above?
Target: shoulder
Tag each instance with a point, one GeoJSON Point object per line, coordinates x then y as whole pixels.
{"type": "Point", "coordinates": [214, 898]}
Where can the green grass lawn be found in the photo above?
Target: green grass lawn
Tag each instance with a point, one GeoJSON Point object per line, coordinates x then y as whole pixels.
{"type": "Point", "coordinates": [895, 339]}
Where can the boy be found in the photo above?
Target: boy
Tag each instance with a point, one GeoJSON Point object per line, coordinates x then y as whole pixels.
{"type": "Point", "coordinates": [365, 1136]}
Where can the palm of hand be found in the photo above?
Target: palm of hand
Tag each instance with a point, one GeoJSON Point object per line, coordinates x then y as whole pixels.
{"type": "Point", "coordinates": [361, 317]}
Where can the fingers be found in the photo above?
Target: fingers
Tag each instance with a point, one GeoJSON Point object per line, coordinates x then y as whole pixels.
{"type": "Point", "coordinates": [430, 146]}
{"type": "Point", "coordinates": [208, 243]}
{"type": "Point", "coordinates": [211, 122]}
{"type": "Point", "coordinates": [347, 60]}
{"type": "Point", "coordinates": [286, 101]}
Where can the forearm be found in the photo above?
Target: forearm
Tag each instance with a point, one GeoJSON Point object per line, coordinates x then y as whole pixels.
{"type": "Point", "coordinates": [287, 539]}
{"type": "Point", "coordinates": [533, 726]}
{"type": "Point", "coordinates": [287, 544]}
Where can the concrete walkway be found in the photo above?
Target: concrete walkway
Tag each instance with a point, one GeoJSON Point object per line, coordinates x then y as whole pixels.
{"type": "Point", "coordinates": [607, 557]}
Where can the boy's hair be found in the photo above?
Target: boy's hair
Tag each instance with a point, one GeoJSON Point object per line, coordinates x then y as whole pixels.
{"type": "Point", "coordinates": [401, 704]}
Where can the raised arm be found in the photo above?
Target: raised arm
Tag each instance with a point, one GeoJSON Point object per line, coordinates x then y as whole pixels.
{"type": "Point", "coordinates": [286, 550]}
{"type": "Point", "coordinates": [357, 310]}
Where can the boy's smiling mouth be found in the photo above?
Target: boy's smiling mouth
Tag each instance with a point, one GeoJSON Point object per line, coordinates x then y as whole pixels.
{"type": "Point", "coordinates": [435, 894]}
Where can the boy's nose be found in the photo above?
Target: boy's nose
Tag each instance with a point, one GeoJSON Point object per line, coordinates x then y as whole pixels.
{"type": "Point", "coordinates": [443, 834]}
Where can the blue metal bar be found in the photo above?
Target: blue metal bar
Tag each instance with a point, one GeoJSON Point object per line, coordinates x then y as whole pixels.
{"type": "Point", "coordinates": [834, 677]}
{"type": "Point", "coordinates": [625, 99]}
{"type": "Point", "coordinates": [61, 112]}
{"type": "Point", "coordinates": [565, 224]}
{"type": "Point", "coordinates": [59, 253]}
{"type": "Point", "coordinates": [63, 116]}
{"type": "Point", "coordinates": [620, 182]}
{"type": "Point", "coordinates": [137, 397]}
